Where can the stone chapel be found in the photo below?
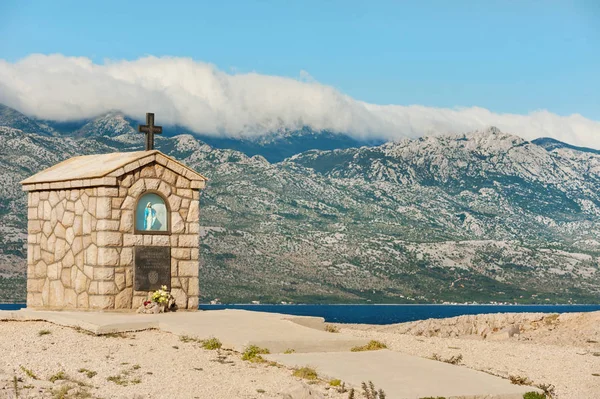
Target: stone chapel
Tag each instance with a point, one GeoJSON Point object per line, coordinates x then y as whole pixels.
{"type": "Point", "coordinates": [106, 230]}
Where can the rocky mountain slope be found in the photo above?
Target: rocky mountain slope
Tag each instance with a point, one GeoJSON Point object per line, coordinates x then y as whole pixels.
{"type": "Point", "coordinates": [482, 216]}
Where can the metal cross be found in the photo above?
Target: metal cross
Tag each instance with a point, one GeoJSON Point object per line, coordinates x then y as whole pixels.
{"type": "Point", "coordinates": [149, 129]}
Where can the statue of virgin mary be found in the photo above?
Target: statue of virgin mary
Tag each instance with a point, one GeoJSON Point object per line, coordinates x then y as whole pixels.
{"type": "Point", "coordinates": [149, 216]}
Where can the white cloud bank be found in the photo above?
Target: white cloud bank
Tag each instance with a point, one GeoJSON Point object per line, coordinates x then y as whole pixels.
{"type": "Point", "coordinates": [205, 99]}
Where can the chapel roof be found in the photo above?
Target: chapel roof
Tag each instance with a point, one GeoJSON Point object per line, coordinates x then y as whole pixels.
{"type": "Point", "coordinates": [104, 170]}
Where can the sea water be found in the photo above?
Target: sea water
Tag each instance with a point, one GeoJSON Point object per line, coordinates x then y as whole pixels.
{"type": "Point", "coordinates": [387, 314]}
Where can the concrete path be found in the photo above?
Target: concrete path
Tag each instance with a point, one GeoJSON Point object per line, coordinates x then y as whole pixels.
{"type": "Point", "coordinates": [405, 376]}
{"type": "Point", "coordinates": [399, 375]}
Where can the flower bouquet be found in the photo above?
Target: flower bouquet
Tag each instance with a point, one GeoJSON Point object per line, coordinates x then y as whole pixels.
{"type": "Point", "coordinates": [160, 301]}
{"type": "Point", "coordinates": [161, 296]}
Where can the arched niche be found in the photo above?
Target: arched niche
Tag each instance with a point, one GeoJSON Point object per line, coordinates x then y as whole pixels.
{"type": "Point", "coordinates": [152, 214]}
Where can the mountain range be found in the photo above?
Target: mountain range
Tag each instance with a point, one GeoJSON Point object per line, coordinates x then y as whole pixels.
{"type": "Point", "coordinates": [309, 216]}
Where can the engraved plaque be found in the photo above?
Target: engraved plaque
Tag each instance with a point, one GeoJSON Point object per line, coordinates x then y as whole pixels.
{"type": "Point", "coordinates": [151, 268]}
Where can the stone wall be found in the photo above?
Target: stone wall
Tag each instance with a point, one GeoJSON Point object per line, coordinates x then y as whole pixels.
{"type": "Point", "coordinates": [80, 241]}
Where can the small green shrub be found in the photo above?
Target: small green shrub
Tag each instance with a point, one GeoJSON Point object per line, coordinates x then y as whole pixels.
{"type": "Point", "coordinates": [289, 351]}
{"type": "Point", "coordinates": [371, 346]}
{"type": "Point", "coordinates": [534, 395]}
{"type": "Point", "coordinates": [44, 332]}
{"type": "Point", "coordinates": [253, 352]}
{"type": "Point", "coordinates": [260, 390]}
{"type": "Point", "coordinates": [335, 382]}
{"type": "Point", "coordinates": [212, 344]}
{"type": "Point", "coordinates": [306, 372]}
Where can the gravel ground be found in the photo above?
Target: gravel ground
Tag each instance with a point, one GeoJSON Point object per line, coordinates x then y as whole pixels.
{"type": "Point", "coordinates": [148, 364]}
{"type": "Point", "coordinates": [563, 351]}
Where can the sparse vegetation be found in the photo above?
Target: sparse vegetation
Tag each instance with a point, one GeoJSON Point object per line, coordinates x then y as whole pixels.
{"type": "Point", "coordinates": [118, 379]}
{"type": "Point", "coordinates": [551, 319]}
{"type": "Point", "coordinates": [71, 392]}
{"type": "Point", "coordinates": [548, 389]}
{"type": "Point", "coordinates": [373, 345]}
{"type": "Point", "coordinates": [289, 351]}
{"type": "Point", "coordinates": [83, 331]}
{"type": "Point", "coordinates": [115, 335]}
{"type": "Point", "coordinates": [369, 391]}
{"type": "Point", "coordinates": [335, 383]}
{"type": "Point", "coordinates": [61, 392]}
{"type": "Point", "coordinates": [452, 360]}
{"type": "Point", "coordinates": [534, 395]}
{"type": "Point", "coordinates": [211, 344]}
{"type": "Point", "coordinates": [331, 328]}
{"type": "Point", "coordinates": [519, 380]}
{"type": "Point", "coordinates": [58, 376]}
{"type": "Point", "coordinates": [44, 332]}
{"type": "Point", "coordinates": [16, 386]}
{"type": "Point", "coordinates": [222, 358]}
{"type": "Point", "coordinates": [29, 373]}
{"type": "Point", "coordinates": [186, 339]}
{"type": "Point", "coordinates": [88, 373]}
{"type": "Point", "coordinates": [307, 373]}
{"type": "Point", "coordinates": [253, 354]}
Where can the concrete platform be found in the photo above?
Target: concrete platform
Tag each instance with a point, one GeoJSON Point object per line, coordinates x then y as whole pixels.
{"type": "Point", "coordinates": [399, 375]}
{"type": "Point", "coordinates": [236, 329]}
{"type": "Point", "coordinates": [405, 376]}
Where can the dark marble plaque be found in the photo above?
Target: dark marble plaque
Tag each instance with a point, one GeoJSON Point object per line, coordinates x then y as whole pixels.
{"type": "Point", "coordinates": [151, 268]}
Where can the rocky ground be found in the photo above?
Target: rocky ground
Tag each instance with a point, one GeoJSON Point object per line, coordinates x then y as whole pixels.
{"type": "Point", "coordinates": [42, 360]}
{"type": "Point", "coordinates": [560, 351]}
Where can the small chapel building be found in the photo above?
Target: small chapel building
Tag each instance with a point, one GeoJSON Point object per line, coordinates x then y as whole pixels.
{"type": "Point", "coordinates": [106, 230]}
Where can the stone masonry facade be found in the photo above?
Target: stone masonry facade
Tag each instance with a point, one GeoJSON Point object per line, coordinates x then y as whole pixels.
{"type": "Point", "coordinates": [81, 237]}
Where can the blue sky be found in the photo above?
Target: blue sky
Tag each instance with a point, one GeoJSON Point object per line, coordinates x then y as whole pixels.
{"type": "Point", "coordinates": [380, 69]}
{"type": "Point", "coordinates": [506, 56]}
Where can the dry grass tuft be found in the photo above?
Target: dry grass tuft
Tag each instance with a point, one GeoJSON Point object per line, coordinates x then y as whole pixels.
{"type": "Point", "coordinates": [371, 346]}
{"type": "Point", "coordinates": [307, 373]}
{"type": "Point", "coordinates": [331, 328]}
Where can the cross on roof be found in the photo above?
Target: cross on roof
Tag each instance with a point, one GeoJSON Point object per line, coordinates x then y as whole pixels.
{"type": "Point", "coordinates": [149, 129]}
